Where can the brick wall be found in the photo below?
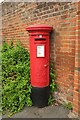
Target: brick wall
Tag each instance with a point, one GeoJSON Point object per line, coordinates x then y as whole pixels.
{"type": "Point", "coordinates": [76, 97]}
{"type": "Point", "coordinates": [64, 43]}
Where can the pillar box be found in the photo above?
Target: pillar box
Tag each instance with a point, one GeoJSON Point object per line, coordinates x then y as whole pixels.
{"type": "Point", "coordinates": [39, 63]}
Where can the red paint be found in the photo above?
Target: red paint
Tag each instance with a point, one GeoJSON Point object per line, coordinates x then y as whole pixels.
{"type": "Point", "coordinates": [39, 36]}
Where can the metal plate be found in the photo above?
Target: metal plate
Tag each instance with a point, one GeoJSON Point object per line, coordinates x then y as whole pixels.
{"type": "Point", "coordinates": [40, 51]}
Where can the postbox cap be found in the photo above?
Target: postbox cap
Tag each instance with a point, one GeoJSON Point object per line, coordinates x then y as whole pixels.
{"type": "Point", "coordinates": [39, 27]}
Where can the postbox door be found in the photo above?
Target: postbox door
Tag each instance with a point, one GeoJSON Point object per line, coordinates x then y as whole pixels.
{"type": "Point", "coordinates": [42, 65]}
{"type": "Point", "coordinates": [40, 76]}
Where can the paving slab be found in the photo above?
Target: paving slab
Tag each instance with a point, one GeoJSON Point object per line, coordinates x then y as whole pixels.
{"type": "Point", "coordinates": [46, 112]}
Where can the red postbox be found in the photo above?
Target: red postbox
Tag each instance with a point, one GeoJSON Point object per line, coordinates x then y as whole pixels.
{"type": "Point", "coordinates": [39, 63]}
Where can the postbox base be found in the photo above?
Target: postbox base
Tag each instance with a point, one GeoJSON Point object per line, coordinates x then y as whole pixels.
{"type": "Point", "coordinates": [40, 96]}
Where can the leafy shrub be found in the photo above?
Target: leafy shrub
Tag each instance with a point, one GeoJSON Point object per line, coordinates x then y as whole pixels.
{"type": "Point", "coordinates": [68, 105]}
{"type": "Point", "coordinates": [53, 86]}
{"type": "Point", "coordinates": [0, 81]}
{"type": "Point", "coordinates": [16, 77]}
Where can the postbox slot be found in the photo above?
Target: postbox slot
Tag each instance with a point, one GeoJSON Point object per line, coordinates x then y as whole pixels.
{"type": "Point", "coordinates": [36, 39]}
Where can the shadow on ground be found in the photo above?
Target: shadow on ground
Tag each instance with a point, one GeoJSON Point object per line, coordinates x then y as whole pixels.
{"type": "Point", "coordinates": [46, 112]}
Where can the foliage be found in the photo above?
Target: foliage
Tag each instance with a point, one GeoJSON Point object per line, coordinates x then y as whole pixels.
{"type": "Point", "coordinates": [0, 81]}
{"type": "Point", "coordinates": [53, 86]}
{"type": "Point", "coordinates": [15, 77]}
{"type": "Point", "coordinates": [52, 78]}
{"type": "Point", "coordinates": [68, 105]}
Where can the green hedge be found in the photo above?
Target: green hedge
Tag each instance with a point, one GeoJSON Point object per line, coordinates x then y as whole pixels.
{"type": "Point", "coordinates": [16, 78]}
